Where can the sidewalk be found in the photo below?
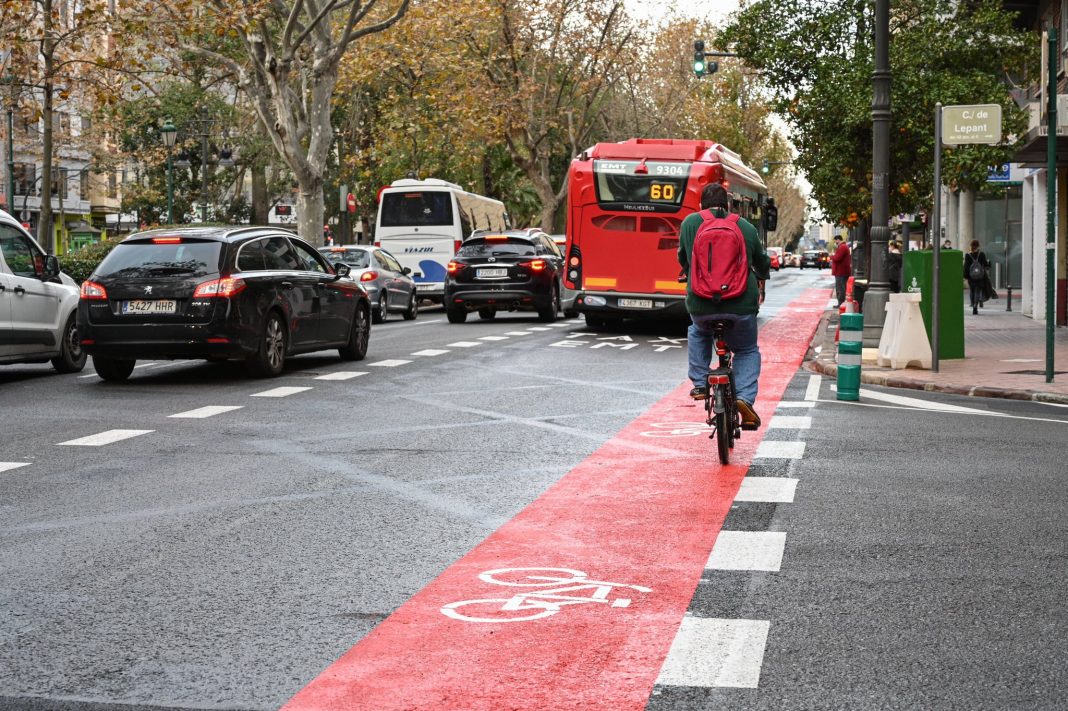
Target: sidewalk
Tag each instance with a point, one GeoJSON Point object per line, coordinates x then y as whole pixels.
{"type": "Point", "coordinates": [1006, 357]}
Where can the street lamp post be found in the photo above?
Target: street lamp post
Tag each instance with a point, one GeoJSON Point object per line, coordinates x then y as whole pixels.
{"type": "Point", "coordinates": [9, 79]}
{"type": "Point", "coordinates": [169, 134]}
{"type": "Point", "coordinates": [878, 291]}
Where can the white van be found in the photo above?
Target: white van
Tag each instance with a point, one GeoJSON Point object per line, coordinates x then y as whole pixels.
{"type": "Point", "coordinates": [423, 222]}
{"type": "Point", "coordinates": [38, 304]}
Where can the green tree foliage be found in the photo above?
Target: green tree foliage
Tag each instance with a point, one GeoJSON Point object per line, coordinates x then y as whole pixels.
{"type": "Point", "coordinates": [816, 58]}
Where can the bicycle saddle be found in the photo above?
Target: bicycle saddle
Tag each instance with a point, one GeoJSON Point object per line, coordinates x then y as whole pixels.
{"type": "Point", "coordinates": [723, 325]}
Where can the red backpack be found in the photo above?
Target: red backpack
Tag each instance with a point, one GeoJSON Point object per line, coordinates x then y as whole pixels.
{"type": "Point", "coordinates": [719, 266]}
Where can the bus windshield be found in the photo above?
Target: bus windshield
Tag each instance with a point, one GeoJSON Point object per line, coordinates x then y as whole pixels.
{"type": "Point", "coordinates": [659, 184]}
{"type": "Point", "coordinates": [416, 209]}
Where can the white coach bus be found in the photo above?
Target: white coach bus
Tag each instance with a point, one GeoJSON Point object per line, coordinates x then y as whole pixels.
{"type": "Point", "coordinates": [423, 222]}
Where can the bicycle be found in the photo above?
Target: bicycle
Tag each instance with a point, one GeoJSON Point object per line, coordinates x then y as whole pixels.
{"type": "Point", "coordinates": [721, 405]}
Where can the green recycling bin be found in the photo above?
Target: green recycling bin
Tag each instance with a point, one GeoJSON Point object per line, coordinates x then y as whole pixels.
{"type": "Point", "coordinates": [919, 275]}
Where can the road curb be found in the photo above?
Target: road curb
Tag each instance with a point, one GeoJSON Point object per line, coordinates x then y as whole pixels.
{"type": "Point", "coordinates": [822, 365]}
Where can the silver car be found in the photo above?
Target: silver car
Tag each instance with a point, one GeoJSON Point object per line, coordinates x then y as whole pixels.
{"type": "Point", "coordinates": [390, 286]}
{"type": "Point", "coordinates": [38, 304]}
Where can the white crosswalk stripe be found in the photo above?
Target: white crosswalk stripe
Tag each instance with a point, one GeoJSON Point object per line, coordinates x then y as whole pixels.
{"type": "Point", "coordinates": [207, 411]}
{"type": "Point", "coordinates": [780, 450]}
{"type": "Point", "coordinates": [792, 404]}
{"type": "Point", "coordinates": [390, 363]}
{"type": "Point", "coordinates": [465, 344]}
{"type": "Point", "coordinates": [747, 550]}
{"type": "Point", "coordinates": [106, 437]}
{"type": "Point", "coordinates": [517, 333]}
{"type": "Point", "coordinates": [8, 466]}
{"type": "Point", "coordinates": [790, 422]}
{"type": "Point", "coordinates": [767, 489]}
{"type": "Point", "coordinates": [342, 375]}
{"type": "Point", "coordinates": [430, 352]}
{"type": "Point", "coordinates": [493, 338]}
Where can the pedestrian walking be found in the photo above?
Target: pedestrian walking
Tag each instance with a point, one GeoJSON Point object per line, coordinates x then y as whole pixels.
{"type": "Point", "coordinates": [975, 266]}
{"type": "Point", "coordinates": [947, 245]}
{"type": "Point", "coordinates": [893, 265]}
{"type": "Point", "coordinates": [841, 268]}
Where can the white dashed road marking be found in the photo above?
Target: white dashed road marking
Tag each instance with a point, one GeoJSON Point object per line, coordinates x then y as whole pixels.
{"type": "Point", "coordinates": [342, 375]}
{"type": "Point", "coordinates": [538, 328]}
{"type": "Point", "coordinates": [747, 550]}
{"type": "Point", "coordinates": [712, 652]}
{"type": "Point", "coordinates": [430, 352]}
{"type": "Point", "coordinates": [790, 422]}
{"type": "Point", "coordinates": [464, 344]}
{"type": "Point", "coordinates": [812, 392]}
{"type": "Point", "coordinates": [280, 392]}
{"type": "Point", "coordinates": [393, 363]}
{"type": "Point", "coordinates": [517, 333]}
{"type": "Point", "coordinates": [493, 338]}
{"type": "Point", "coordinates": [797, 403]}
{"type": "Point", "coordinates": [780, 450]}
{"type": "Point", "coordinates": [209, 411]}
{"type": "Point", "coordinates": [767, 489]}
{"type": "Point", "coordinates": [7, 466]}
{"type": "Point", "coordinates": [103, 438]}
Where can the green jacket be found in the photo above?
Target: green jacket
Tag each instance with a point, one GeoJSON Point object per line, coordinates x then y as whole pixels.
{"type": "Point", "coordinates": [759, 266]}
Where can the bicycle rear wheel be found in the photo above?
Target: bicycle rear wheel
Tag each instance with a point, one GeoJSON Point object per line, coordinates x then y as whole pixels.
{"type": "Point", "coordinates": [723, 428]}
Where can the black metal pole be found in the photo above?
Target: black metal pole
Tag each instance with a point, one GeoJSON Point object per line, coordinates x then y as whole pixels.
{"type": "Point", "coordinates": [936, 241]}
{"type": "Point", "coordinates": [203, 165]}
{"type": "Point", "coordinates": [1051, 195]}
{"type": "Point", "coordinates": [878, 291]}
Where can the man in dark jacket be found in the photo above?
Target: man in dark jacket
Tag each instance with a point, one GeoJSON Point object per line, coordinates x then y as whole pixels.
{"type": "Point", "coordinates": [841, 268]}
{"type": "Point", "coordinates": [742, 338]}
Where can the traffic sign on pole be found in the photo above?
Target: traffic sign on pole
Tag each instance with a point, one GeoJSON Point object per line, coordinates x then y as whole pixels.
{"type": "Point", "coordinates": [964, 125]}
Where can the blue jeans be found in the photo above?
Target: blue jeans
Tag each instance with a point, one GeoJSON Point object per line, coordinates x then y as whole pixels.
{"type": "Point", "coordinates": [742, 339]}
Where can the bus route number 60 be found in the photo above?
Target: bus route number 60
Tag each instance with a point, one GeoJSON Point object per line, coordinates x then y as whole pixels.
{"type": "Point", "coordinates": [661, 191]}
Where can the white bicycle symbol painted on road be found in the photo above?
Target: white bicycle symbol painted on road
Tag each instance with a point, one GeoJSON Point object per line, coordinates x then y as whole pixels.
{"type": "Point", "coordinates": [677, 429]}
{"type": "Point", "coordinates": [555, 588]}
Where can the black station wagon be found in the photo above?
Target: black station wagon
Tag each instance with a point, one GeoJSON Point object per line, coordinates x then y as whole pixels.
{"type": "Point", "coordinates": [251, 293]}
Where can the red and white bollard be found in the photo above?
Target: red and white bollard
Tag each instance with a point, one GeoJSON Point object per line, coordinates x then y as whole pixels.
{"type": "Point", "coordinates": [849, 306]}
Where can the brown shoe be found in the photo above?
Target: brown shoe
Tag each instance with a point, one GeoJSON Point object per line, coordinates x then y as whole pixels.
{"type": "Point", "coordinates": [750, 420]}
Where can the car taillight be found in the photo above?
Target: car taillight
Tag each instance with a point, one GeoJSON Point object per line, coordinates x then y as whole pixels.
{"type": "Point", "coordinates": [224, 287]}
{"type": "Point", "coordinates": [456, 245]}
{"type": "Point", "coordinates": [166, 240]}
{"type": "Point", "coordinates": [368, 276]}
{"type": "Point", "coordinates": [93, 291]}
{"type": "Point", "coordinates": [535, 265]}
{"type": "Point", "coordinates": [378, 244]}
{"type": "Point", "coordinates": [452, 267]}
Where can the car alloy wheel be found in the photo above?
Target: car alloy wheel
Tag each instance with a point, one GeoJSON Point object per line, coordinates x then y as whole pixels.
{"type": "Point", "coordinates": [413, 309]}
{"type": "Point", "coordinates": [270, 358]}
{"type": "Point", "coordinates": [359, 336]}
{"type": "Point", "coordinates": [71, 358]}
{"type": "Point", "coordinates": [382, 312]}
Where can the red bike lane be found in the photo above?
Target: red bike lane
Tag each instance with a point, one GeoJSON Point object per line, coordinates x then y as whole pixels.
{"type": "Point", "coordinates": [642, 512]}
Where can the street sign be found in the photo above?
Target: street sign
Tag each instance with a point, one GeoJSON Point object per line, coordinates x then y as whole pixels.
{"type": "Point", "coordinates": [350, 202]}
{"type": "Point", "coordinates": [964, 125]}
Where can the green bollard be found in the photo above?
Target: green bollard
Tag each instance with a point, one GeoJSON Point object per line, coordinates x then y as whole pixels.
{"type": "Point", "coordinates": [850, 351]}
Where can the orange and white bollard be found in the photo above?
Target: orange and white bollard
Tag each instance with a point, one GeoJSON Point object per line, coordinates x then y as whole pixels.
{"type": "Point", "coordinates": [849, 306]}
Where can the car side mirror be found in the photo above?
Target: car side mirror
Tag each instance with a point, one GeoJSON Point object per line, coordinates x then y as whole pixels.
{"type": "Point", "coordinates": [51, 267]}
{"type": "Point", "coordinates": [342, 269]}
{"type": "Point", "coordinates": [406, 271]}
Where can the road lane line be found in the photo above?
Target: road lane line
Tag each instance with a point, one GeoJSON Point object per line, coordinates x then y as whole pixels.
{"type": "Point", "coordinates": [812, 392]}
{"type": "Point", "coordinates": [106, 437]}
{"type": "Point", "coordinates": [280, 392]}
{"type": "Point", "coordinates": [586, 526]}
{"type": "Point", "coordinates": [430, 352]}
{"type": "Point", "coordinates": [390, 363]}
{"type": "Point", "coordinates": [790, 422]}
{"type": "Point", "coordinates": [493, 338]}
{"type": "Point", "coordinates": [711, 653]}
{"type": "Point", "coordinates": [8, 466]}
{"type": "Point", "coordinates": [464, 344]}
{"type": "Point", "coordinates": [747, 550]}
{"type": "Point", "coordinates": [796, 404]}
{"type": "Point", "coordinates": [342, 375]}
{"type": "Point", "coordinates": [767, 489]}
{"type": "Point", "coordinates": [517, 333]}
{"type": "Point", "coordinates": [538, 328]}
{"type": "Point", "coordinates": [769, 449]}
{"type": "Point", "coordinates": [207, 411]}
{"type": "Point", "coordinates": [917, 402]}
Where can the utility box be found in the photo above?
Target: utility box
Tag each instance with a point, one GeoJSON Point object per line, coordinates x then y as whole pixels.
{"type": "Point", "coordinates": [919, 278]}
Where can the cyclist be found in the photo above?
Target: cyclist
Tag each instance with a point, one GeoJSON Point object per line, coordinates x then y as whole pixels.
{"type": "Point", "coordinates": [742, 338]}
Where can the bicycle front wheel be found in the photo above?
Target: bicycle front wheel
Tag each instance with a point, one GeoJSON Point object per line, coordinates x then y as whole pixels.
{"type": "Point", "coordinates": [723, 428]}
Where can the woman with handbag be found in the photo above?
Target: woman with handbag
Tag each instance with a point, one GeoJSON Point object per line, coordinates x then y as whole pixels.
{"type": "Point", "coordinates": [975, 266]}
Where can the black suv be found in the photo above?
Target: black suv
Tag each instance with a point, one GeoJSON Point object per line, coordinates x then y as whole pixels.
{"type": "Point", "coordinates": [515, 270]}
{"type": "Point", "coordinates": [253, 293]}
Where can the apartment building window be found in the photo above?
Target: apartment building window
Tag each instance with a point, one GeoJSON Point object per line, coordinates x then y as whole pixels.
{"type": "Point", "coordinates": [25, 126]}
{"type": "Point", "coordinates": [61, 124]}
{"type": "Point", "coordinates": [113, 184]}
{"type": "Point", "coordinates": [59, 183]}
{"type": "Point", "coordinates": [83, 185]}
{"type": "Point", "coordinates": [25, 179]}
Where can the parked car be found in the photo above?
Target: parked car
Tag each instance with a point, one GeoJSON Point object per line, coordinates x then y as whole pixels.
{"type": "Point", "coordinates": [38, 304]}
{"type": "Point", "coordinates": [789, 259]}
{"type": "Point", "coordinates": [515, 270]}
{"type": "Point", "coordinates": [251, 293]}
{"type": "Point", "coordinates": [388, 284]}
{"type": "Point", "coordinates": [775, 255]}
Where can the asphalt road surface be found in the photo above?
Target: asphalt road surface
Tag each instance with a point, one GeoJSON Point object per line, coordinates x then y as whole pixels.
{"type": "Point", "coordinates": [382, 534]}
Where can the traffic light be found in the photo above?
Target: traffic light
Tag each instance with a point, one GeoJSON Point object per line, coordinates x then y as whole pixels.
{"type": "Point", "coordinates": [765, 167]}
{"type": "Point", "coordinates": [699, 58]}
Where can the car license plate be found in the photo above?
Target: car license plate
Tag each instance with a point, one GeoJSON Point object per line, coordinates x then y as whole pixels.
{"type": "Point", "coordinates": [636, 303]}
{"type": "Point", "coordinates": [490, 273]}
{"type": "Point", "coordinates": [158, 306]}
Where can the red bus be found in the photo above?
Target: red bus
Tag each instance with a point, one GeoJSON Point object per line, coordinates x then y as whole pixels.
{"type": "Point", "coordinates": [626, 202]}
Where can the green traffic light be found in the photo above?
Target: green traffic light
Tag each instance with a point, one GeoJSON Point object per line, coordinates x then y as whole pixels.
{"type": "Point", "coordinates": [764, 169]}
{"type": "Point", "coordinates": [699, 66]}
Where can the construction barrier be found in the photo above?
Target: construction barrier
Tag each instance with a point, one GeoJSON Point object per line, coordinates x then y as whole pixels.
{"type": "Point", "coordinates": [850, 352]}
{"type": "Point", "coordinates": [904, 339]}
